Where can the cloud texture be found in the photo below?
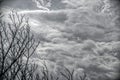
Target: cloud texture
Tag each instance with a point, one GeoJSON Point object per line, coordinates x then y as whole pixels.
{"type": "Point", "coordinates": [81, 36]}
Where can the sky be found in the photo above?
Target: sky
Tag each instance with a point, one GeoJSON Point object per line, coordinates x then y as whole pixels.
{"type": "Point", "coordinates": [78, 34]}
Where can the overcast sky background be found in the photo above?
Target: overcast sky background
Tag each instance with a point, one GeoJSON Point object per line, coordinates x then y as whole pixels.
{"type": "Point", "coordinates": [80, 34]}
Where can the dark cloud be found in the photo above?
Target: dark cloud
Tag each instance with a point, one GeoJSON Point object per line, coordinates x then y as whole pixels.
{"type": "Point", "coordinates": [55, 16]}
{"type": "Point", "coordinates": [19, 4]}
{"type": "Point", "coordinates": [57, 4]}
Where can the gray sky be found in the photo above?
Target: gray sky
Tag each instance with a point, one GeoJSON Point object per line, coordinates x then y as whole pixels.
{"type": "Point", "coordinates": [75, 33]}
{"type": "Point", "coordinates": [29, 4]}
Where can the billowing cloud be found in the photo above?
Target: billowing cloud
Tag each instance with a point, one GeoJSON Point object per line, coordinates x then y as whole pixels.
{"type": "Point", "coordinates": [77, 37]}
{"type": "Point", "coordinates": [91, 4]}
{"type": "Point", "coordinates": [85, 23]}
{"type": "Point", "coordinates": [89, 55]}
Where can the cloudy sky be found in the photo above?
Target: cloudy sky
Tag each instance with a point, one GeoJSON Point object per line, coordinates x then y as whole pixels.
{"type": "Point", "coordinates": [79, 34]}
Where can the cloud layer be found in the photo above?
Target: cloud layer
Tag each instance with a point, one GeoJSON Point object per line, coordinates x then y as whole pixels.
{"type": "Point", "coordinates": [80, 36]}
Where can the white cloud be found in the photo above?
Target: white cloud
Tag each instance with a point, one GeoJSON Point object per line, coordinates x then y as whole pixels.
{"type": "Point", "coordinates": [41, 4]}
